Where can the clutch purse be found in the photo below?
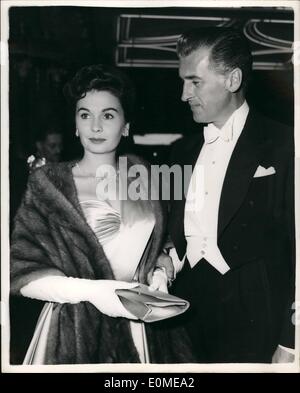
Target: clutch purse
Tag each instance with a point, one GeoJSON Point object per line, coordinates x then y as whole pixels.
{"type": "Point", "coordinates": [151, 306]}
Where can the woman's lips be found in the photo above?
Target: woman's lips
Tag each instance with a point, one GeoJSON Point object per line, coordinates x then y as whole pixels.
{"type": "Point", "coordinates": [97, 140]}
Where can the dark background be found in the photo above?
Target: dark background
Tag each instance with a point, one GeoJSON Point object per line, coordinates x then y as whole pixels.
{"type": "Point", "coordinates": [48, 44]}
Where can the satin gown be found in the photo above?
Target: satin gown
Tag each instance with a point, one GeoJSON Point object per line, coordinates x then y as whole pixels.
{"type": "Point", "coordinates": [124, 237]}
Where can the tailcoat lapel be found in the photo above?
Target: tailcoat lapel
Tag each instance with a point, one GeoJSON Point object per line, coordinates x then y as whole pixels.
{"type": "Point", "coordinates": [188, 155]}
{"type": "Point", "coordinates": [241, 169]}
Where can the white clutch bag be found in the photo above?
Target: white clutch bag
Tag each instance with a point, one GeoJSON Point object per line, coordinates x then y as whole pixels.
{"type": "Point", "coordinates": [151, 306]}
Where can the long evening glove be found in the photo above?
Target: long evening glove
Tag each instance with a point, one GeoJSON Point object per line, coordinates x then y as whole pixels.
{"type": "Point", "coordinates": [101, 293]}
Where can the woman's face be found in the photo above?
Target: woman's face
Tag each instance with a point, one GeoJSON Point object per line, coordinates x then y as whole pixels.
{"type": "Point", "coordinates": [100, 121]}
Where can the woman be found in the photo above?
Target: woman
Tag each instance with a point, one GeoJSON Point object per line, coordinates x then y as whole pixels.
{"type": "Point", "coordinates": [74, 243]}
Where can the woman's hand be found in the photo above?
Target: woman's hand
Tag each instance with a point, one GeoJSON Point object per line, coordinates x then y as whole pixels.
{"type": "Point", "coordinates": [104, 298]}
{"type": "Point", "coordinates": [62, 289]}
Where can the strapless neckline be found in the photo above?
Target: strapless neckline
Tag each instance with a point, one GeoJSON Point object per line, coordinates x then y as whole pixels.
{"type": "Point", "coordinates": [104, 220]}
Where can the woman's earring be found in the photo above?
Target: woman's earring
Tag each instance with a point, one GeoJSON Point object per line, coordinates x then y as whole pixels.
{"type": "Point", "coordinates": [126, 130]}
{"type": "Point", "coordinates": [77, 132]}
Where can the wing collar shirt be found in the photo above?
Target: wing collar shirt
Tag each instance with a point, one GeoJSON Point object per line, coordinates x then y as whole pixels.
{"type": "Point", "coordinates": [204, 192]}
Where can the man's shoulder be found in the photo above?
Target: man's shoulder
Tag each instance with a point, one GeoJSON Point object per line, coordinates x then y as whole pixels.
{"type": "Point", "coordinates": [185, 146]}
{"type": "Point", "coordinates": [276, 132]}
{"type": "Point", "coordinates": [272, 122]}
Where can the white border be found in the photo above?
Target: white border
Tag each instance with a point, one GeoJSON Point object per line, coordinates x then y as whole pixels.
{"type": "Point", "coordinates": [110, 368]}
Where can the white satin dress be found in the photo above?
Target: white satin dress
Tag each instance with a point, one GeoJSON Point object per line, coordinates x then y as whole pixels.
{"type": "Point", "coordinates": [124, 238]}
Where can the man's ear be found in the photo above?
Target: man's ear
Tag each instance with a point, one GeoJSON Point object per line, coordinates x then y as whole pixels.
{"type": "Point", "coordinates": [234, 80]}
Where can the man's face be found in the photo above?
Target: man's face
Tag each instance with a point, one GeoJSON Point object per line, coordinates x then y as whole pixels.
{"type": "Point", "coordinates": [51, 147]}
{"type": "Point", "coordinates": [204, 89]}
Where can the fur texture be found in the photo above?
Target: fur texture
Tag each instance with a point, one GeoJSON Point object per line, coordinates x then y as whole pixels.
{"type": "Point", "coordinates": [51, 236]}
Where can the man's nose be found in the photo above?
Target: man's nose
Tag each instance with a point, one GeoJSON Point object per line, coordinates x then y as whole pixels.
{"type": "Point", "coordinates": [186, 92]}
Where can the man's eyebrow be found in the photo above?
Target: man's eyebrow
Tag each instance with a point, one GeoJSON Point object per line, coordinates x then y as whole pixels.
{"type": "Point", "coordinates": [193, 77]}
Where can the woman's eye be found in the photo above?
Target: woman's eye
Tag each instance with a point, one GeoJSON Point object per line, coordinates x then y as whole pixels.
{"type": "Point", "coordinates": [108, 116]}
{"type": "Point", "coordinates": [196, 83]}
{"type": "Point", "coordinates": [84, 116]}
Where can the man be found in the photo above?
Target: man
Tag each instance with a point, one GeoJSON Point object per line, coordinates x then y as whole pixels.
{"type": "Point", "coordinates": [49, 145]}
{"type": "Point", "coordinates": [234, 240]}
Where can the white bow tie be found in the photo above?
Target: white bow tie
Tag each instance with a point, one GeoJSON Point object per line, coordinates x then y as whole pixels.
{"type": "Point", "coordinates": [212, 133]}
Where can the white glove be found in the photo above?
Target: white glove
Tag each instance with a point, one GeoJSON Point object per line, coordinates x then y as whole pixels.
{"type": "Point", "coordinates": [104, 298]}
{"type": "Point", "coordinates": [101, 293]}
{"type": "Point", "coordinates": [159, 280]}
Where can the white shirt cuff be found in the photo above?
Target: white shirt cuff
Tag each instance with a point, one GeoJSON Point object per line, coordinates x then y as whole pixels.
{"type": "Point", "coordinates": [177, 263]}
{"type": "Point", "coordinates": [289, 350]}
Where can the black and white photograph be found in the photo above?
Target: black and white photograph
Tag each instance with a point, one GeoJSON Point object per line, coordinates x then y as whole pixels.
{"type": "Point", "coordinates": [149, 192]}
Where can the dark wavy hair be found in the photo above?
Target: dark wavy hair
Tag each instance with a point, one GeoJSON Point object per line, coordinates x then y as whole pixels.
{"type": "Point", "coordinates": [101, 77]}
{"type": "Point", "coordinates": [229, 49]}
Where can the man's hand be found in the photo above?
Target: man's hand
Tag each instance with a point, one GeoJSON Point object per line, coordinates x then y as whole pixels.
{"type": "Point", "coordinates": [159, 280]}
{"type": "Point", "coordinates": [165, 261]}
{"type": "Point", "coordinates": [282, 356]}
{"type": "Point", "coordinates": [163, 265]}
